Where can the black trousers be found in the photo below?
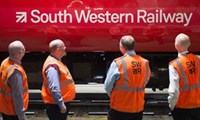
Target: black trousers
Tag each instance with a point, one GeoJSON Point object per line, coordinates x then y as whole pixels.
{"type": "Point", "coordinates": [53, 112]}
{"type": "Point", "coordinates": [9, 117]}
{"type": "Point", "coordinates": [117, 115]}
{"type": "Point", "coordinates": [186, 114]}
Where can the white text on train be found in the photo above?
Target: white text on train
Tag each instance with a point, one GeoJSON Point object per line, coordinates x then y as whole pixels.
{"type": "Point", "coordinates": [112, 17]}
{"type": "Point", "coordinates": [160, 17]}
{"type": "Point", "coordinates": [105, 17]}
{"type": "Point", "coordinates": [60, 17]}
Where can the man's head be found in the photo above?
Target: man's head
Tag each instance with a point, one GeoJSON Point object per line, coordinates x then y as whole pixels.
{"type": "Point", "coordinates": [16, 49]}
{"type": "Point", "coordinates": [127, 43]}
{"type": "Point", "coordinates": [182, 42]}
{"type": "Point", "coordinates": [57, 48]}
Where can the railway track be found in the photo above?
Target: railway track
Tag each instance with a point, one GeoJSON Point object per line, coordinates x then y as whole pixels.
{"type": "Point", "coordinates": [101, 108]}
{"type": "Point", "coordinates": [93, 100]}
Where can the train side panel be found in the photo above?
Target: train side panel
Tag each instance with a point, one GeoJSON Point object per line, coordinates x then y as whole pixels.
{"type": "Point", "coordinates": [91, 29]}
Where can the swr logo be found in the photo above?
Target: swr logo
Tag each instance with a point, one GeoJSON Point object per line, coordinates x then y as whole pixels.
{"type": "Point", "coordinates": [21, 17]}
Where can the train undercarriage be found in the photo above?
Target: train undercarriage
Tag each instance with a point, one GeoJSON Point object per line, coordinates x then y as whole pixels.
{"type": "Point", "coordinates": [87, 67]}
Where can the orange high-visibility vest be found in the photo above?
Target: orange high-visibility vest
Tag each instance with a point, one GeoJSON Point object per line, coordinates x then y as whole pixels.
{"type": "Point", "coordinates": [67, 85]}
{"type": "Point", "coordinates": [6, 100]}
{"type": "Point", "coordinates": [188, 68]}
{"type": "Point", "coordinates": [128, 92]}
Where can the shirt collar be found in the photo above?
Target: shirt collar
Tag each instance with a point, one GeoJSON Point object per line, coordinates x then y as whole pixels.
{"type": "Point", "coordinates": [131, 52]}
{"type": "Point", "coordinates": [182, 53]}
{"type": "Point", "coordinates": [55, 57]}
{"type": "Point", "coordinates": [14, 60]}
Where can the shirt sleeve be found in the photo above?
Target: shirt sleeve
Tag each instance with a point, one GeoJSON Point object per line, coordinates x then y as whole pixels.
{"type": "Point", "coordinates": [112, 76]}
{"type": "Point", "coordinates": [173, 89]}
{"type": "Point", "coordinates": [15, 81]}
{"type": "Point", "coordinates": [54, 86]}
{"type": "Point", "coordinates": [149, 74]}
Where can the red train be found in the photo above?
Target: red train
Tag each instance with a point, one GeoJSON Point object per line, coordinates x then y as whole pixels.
{"type": "Point", "coordinates": [91, 29]}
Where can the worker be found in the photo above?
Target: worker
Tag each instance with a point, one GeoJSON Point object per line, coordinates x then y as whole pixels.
{"type": "Point", "coordinates": [13, 84]}
{"type": "Point", "coordinates": [184, 87]}
{"type": "Point", "coordinates": [58, 86]}
{"type": "Point", "coordinates": [125, 82]}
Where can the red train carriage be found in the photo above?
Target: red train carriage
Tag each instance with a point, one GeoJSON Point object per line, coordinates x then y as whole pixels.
{"type": "Point", "coordinates": [91, 29]}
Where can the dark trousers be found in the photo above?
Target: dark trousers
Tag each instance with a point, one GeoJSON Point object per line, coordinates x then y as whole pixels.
{"type": "Point", "coordinates": [9, 117]}
{"type": "Point", "coordinates": [186, 114]}
{"type": "Point", "coordinates": [53, 112]}
{"type": "Point", "coordinates": [117, 115]}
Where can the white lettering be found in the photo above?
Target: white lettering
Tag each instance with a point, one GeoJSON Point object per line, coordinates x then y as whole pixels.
{"type": "Point", "coordinates": [150, 18]}
{"type": "Point", "coordinates": [82, 16]}
{"type": "Point", "coordinates": [169, 17]}
{"type": "Point", "coordinates": [60, 17]}
{"type": "Point", "coordinates": [179, 18]}
{"type": "Point", "coordinates": [161, 17]}
{"type": "Point", "coordinates": [110, 17]}
{"type": "Point", "coordinates": [107, 14]}
{"type": "Point", "coordinates": [187, 18]}
{"type": "Point", "coordinates": [44, 18]}
{"type": "Point", "coordinates": [141, 14]}
{"type": "Point", "coordinates": [93, 18]}
{"type": "Point", "coordinates": [36, 18]}
{"type": "Point", "coordinates": [115, 18]}
{"type": "Point", "coordinates": [101, 18]}
{"type": "Point", "coordinates": [106, 17]}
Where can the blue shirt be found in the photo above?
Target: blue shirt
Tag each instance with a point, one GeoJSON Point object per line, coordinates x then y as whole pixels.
{"type": "Point", "coordinates": [15, 82]}
{"type": "Point", "coordinates": [54, 85]}
{"type": "Point", "coordinates": [113, 75]}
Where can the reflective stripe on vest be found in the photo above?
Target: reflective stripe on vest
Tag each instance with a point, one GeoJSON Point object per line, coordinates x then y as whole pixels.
{"type": "Point", "coordinates": [9, 70]}
{"type": "Point", "coordinates": [125, 87]}
{"type": "Point", "coordinates": [9, 94]}
{"type": "Point", "coordinates": [62, 84]}
{"type": "Point", "coordinates": [2, 91]}
{"type": "Point", "coordinates": [187, 87]}
{"type": "Point", "coordinates": [5, 93]}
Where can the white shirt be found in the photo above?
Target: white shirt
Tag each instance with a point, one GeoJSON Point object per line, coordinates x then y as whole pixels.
{"type": "Point", "coordinates": [173, 89]}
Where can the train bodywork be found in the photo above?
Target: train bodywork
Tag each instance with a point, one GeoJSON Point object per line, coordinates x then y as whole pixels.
{"type": "Point", "coordinates": [91, 29]}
